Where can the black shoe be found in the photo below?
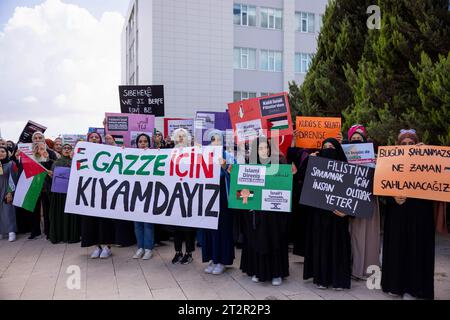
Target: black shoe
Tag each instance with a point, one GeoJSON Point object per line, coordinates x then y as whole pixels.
{"type": "Point", "coordinates": [33, 236]}
{"type": "Point", "coordinates": [177, 258]}
{"type": "Point", "coordinates": [187, 259]}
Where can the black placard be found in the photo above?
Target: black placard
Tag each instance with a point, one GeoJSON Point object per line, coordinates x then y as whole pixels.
{"type": "Point", "coordinates": [336, 185]}
{"type": "Point", "coordinates": [28, 131]}
{"type": "Point", "coordinates": [142, 100]}
{"type": "Point", "coordinates": [273, 105]}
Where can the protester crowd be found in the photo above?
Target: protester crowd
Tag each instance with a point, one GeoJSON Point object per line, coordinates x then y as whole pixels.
{"type": "Point", "coordinates": [336, 247]}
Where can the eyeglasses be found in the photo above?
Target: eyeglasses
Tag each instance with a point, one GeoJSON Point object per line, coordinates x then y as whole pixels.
{"type": "Point", "coordinates": [67, 148]}
{"type": "Point", "coordinates": [403, 131]}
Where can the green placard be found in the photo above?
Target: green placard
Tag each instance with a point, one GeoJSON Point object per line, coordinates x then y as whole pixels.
{"type": "Point", "coordinates": [261, 187]}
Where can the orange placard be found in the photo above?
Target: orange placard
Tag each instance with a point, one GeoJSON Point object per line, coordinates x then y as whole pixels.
{"type": "Point", "coordinates": [421, 172]}
{"type": "Point", "coordinates": [313, 130]}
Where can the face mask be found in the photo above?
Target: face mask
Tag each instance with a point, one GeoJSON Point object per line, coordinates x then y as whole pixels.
{"type": "Point", "coordinates": [329, 153]}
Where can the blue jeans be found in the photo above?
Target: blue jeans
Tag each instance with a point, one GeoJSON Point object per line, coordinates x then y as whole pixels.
{"type": "Point", "coordinates": [144, 235]}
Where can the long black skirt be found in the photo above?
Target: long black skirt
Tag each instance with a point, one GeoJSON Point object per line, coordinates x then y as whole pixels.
{"type": "Point", "coordinates": [327, 249]}
{"type": "Point", "coordinates": [408, 249]}
{"type": "Point", "coordinates": [64, 227]}
{"type": "Point", "coordinates": [96, 231]}
{"type": "Point", "coordinates": [265, 252]}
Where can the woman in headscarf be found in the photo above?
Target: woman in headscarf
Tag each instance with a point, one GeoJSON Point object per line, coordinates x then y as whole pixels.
{"type": "Point", "coordinates": [39, 137]}
{"type": "Point", "coordinates": [8, 180]}
{"type": "Point", "coordinates": [327, 247]}
{"type": "Point", "coordinates": [182, 139]}
{"type": "Point", "coordinates": [218, 245]}
{"type": "Point", "coordinates": [58, 146]}
{"type": "Point", "coordinates": [365, 232]}
{"type": "Point", "coordinates": [64, 227]}
{"type": "Point", "coordinates": [265, 252]}
{"type": "Point", "coordinates": [96, 231]}
{"type": "Point", "coordinates": [408, 242]}
{"type": "Point", "coordinates": [144, 231]}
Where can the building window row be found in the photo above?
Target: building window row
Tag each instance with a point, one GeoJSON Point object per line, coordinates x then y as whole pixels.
{"type": "Point", "coordinates": [245, 58]}
{"type": "Point", "coordinates": [271, 18]}
{"type": "Point", "coordinates": [244, 95]}
{"type": "Point", "coordinates": [269, 60]}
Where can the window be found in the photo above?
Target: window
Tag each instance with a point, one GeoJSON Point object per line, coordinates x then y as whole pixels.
{"type": "Point", "coordinates": [271, 60]}
{"type": "Point", "coordinates": [244, 58]}
{"type": "Point", "coordinates": [265, 94]}
{"type": "Point", "coordinates": [302, 62]}
{"type": "Point", "coordinates": [321, 21]}
{"type": "Point", "coordinates": [243, 95]}
{"type": "Point", "coordinates": [271, 18]}
{"type": "Point", "coordinates": [305, 22]}
{"type": "Point", "coordinates": [244, 15]}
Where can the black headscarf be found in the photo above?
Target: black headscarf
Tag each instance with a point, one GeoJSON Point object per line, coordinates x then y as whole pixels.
{"type": "Point", "coordinates": [143, 135]}
{"type": "Point", "coordinates": [6, 160]}
{"type": "Point", "coordinates": [336, 154]}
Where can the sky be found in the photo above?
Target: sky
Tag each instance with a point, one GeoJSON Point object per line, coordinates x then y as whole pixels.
{"type": "Point", "coordinates": [59, 64]}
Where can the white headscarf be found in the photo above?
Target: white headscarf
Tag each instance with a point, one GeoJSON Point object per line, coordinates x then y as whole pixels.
{"type": "Point", "coordinates": [175, 135]}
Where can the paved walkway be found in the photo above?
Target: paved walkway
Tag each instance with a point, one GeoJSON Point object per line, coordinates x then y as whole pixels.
{"type": "Point", "coordinates": [37, 270]}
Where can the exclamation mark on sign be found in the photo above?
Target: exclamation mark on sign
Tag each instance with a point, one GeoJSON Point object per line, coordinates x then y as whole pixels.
{"type": "Point", "coordinates": [356, 204]}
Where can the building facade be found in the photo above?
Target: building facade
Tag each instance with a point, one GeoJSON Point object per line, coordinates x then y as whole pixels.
{"type": "Point", "coordinates": [208, 53]}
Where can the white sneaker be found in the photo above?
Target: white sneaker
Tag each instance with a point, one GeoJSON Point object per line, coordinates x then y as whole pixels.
{"type": "Point", "coordinates": [277, 281]}
{"type": "Point", "coordinates": [147, 255]}
{"type": "Point", "coordinates": [209, 269]}
{"type": "Point", "coordinates": [320, 287]}
{"type": "Point", "coordinates": [138, 254]}
{"type": "Point", "coordinates": [219, 269]}
{"type": "Point", "coordinates": [12, 237]}
{"type": "Point", "coordinates": [106, 253]}
{"type": "Point", "coordinates": [255, 279]}
{"type": "Point", "coordinates": [96, 253]}
{"type": "Point", "coordinates": [407, 296]}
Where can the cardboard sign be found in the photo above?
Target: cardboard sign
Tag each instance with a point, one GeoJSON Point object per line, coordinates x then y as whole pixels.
{"type": "Point", "coordinates": [262, 116]}
{"type": "Point", "coordinates": [314, 130]}
{"type": "Point", "coordinates": [261, 187]}
{"type": "Point", "coordinates": [73, 139]}
{"type": "Point", "coordinates": [171, 124]}
{"type": "Point", "coordinates": [142, 100]}
{"type": "Point", "coordinates": [421, 172]}
{"type": "Point", "coordinates": [126, 127]}
{"type": "Point", "coordinates": [26, 148]}
{"type": "Point", "coordinates": [336, 185]}
{"type": "Point", "coordinates": [30, 128]}
{"type": "Point", "coordinates": [153, 186]}
{"type": "Point", "coordinates": [207, 121]}
{"type": "Point", "coordinates": [360, 153]}
{"type": "Point", "coordinates": [60, 181]}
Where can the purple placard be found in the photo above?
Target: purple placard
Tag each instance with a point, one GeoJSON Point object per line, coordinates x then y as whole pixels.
{"type": "Point", "coordinates": [206, 121]}
{"type": "Point", "coordinates": [60, 182]}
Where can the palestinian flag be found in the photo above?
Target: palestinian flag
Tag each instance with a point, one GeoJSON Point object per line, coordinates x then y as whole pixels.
{"type": "Point", "coordinates": [30, 184]}
{"type": "Point", "coordinates": [279, 123]}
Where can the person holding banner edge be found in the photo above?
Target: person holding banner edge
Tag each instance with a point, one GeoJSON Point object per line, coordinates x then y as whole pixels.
{"type": "Point", "coordinates": [408, 242]}
{"type": "Point", "coordinates": [327, 245]}
{"type": "Point", "coordinates": [182, 139]}
{"type": "Point", "coordinates": [63, 227]}
{"type": "Point", "coordinates": [95, 231]}
{"type": "Point", "coordinates": [144, 231]}
{"type": "Point", "coordinates": [218, 245]}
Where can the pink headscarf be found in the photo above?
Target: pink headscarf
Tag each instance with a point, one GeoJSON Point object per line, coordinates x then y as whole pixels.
{"type": "Point", "coordinates": [357, 128]}
{"type": "Point", "coordinates": [90, 134]}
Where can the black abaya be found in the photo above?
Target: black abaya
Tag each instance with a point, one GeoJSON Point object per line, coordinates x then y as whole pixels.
{"type": "Point", "coordinates": [408, 248]}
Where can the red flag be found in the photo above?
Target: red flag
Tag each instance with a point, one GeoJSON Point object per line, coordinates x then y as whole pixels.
{"type": "Point", "coordinates": [30, 167]}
